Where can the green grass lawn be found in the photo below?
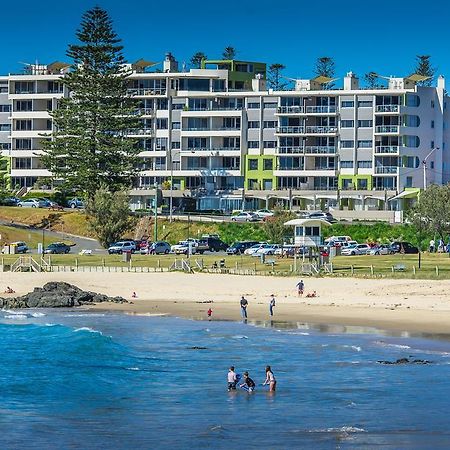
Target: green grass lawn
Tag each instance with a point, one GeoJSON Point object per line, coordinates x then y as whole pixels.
{"type": "Point", "coordinates": [360, 266]}
{"type": "Point", "coordinates": [32, 238]}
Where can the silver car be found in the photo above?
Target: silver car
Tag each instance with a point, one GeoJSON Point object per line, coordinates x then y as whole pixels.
{"type": "Point", "coordinates": [32, 203]}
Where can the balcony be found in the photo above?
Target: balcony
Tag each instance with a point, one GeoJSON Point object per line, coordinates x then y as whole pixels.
{"type": "Point", "coordinates": [140, 132]}
{"type": "Point", "coordinates": [387, 129]}
{"type": "Point", "coordinates": [321, 129]}
{"type": "Point", "coordinates": [307, 110]}
{"type": "Point", "coordinates": [392, 170]}
{"type": "Point", "coordinates": [144, 112]}
{"type": "Point", "coordinates": [316, 150]}
{"type": "Point", "coordinates": [291, 150]}
{"type": "Point", "coordinates": [387, 149]}
{"type": "Point", "coordinates": [387, 108]}
{"type": "Point", "coordinates": [290, 130]}
{"type": "Point", "coordinates": [212, 149]}
{"type": "Point", "coordinates": [146, 91]}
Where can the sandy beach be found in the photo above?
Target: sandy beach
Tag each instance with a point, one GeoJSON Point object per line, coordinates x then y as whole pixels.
{"type": "Point", "coordinates": [410, 305]}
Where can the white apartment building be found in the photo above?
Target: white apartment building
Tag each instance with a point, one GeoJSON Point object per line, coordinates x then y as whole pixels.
{"type": "Point", "coordinates": [225, 141]}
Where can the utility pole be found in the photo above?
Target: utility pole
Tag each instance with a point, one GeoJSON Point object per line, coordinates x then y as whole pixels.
{"type": "Point", "coordinates": [424, 163]}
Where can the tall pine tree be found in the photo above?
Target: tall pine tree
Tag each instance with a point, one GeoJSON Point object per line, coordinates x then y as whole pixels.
{"type": "Point", "coordinates": [89, 147]}
{"type": "Point", "coordinates": [325, 67]}
{"type": "Point", "coordinates": [275, 77]}
{"type": "Point", "coordinates": [424, 68]}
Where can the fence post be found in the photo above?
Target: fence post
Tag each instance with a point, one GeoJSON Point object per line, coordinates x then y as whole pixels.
{"type": "Point", "coordinates": [129, 266]}
{"type": "Point", "coordinates": [437, 271]}
{"type": "Point", "coordinates": [371, 269]}
{"type": "Point", "coordinates": [352, 269]}
{"type": "Point", "coordinates": [76, 263]}
{"type": "Point", "coordinates": [103, 262]}
{"type": "Point", "coordinates": [414, 270]}
{"type": "Point", "coordinates": [159, 263]}
{"type": "Point", "coordinates": [392, 268]}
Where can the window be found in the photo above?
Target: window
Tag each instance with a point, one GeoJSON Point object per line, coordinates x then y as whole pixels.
{"type": "Point", "coordinates": [5, 127]}
{"type": "Point", "coordinates": [365, 123]}
{"type": "Point", "coordinates": [365, 144]}
{"type": "Point", "coordinates": [232, 142]}
{"type": "Point", "coordinates": [253, 124]}
{"type": "Point", "coordinates": [432, 124]}
{"type": "Point", "coordinates": [270, 144]}
{"type": "Point", "coordinates": [365, 104]}
{"type": "Point", "coordinates": [24, 105]}
{"type": "Point", "coordinates": [347, 144]}
{"type": "Point", "coordinates": [432, 165]}
{"type": "Point", "coordinates": [254, 105]}
{"type": "Point", "coordinates": [411, 121]}
{"type": "Point", "coordinates": [411, 141]}
{"type": "Point", "coordinates": [412, 100]}
{"type": "Point", "coordinates": [346, 164]}
{"type": "Point", "coordinates": [178, 105]}
{"type": "Point", "coordinates": [362, 184]}
{"type": "Point", "coordinates": [432, 105]}
{"type": "Point", "coordinates": [22, 163]}
{"type": "Point", "coordinates": [253, 144]}
{"type": "Point", "coordinates": [347, 123]}
{"type": "Point", "coordinates": [5, 146]}
{"type": "Point", "coordinates": [270, 124]}
{"type": "Point", "coordinates": [176, 144]}
{"type": "Point", "coordinates": [176, 125]}
{"type": "Point", "coordinates": [161, 124]}
{"type": "Point", "coordinates": [267, 164]}
{"type": "Point", "coordinates": [409, 182]}
{"type": "Point", "coordinates": [197, 142]}
{"type": "Point", "coordinates": [5, 108]}
{"type": "Point", "coordinates": [252, 164]}
{"type": "Point", "coordinates": [270, 105]}
{"type": "Point", "coordinates": [347, 104]}
{"type": "Point", "coordinates": [364, 164]}
{"type": "Point", "coordinates": [23, 144]}
{"type": "Point", "coordinates": [432, 144]}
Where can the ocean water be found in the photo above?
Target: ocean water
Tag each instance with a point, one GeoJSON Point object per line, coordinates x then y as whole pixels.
{"type": "Point", "coordinates": [74, 379]}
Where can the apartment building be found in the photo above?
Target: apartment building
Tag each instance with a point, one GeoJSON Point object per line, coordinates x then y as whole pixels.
{"type": "Point", "coordinates": [222, 140]}
{"type": "Point", "coordinates": [5, 129]}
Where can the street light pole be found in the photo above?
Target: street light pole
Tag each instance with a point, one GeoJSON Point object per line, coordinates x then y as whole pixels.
{"type": "Point", "coordinates": [424, 163]}
{"type": "Point", "coordinates": [156, 212]}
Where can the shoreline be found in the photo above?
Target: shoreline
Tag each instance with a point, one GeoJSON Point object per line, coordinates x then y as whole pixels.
{"type": "Point", "coordinates": [388, 304]}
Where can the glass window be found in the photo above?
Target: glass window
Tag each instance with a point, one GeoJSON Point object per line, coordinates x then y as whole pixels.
{"type": "Point", "coordinates": [270, 105]}
{"type": "Point", "coordinates": [365, 104]}
{"type": "Point", "coordinates": [253, 144]}
{"type": "Point", "coordinates": [364, 164]}
{"type": "Point", "coordinates": [347, 144]}
{"type": "Point", "coordinates": [270, 144]}
{"type": "Point", "coordinates": [365, 144]}
{"type": "Point", "coordinates": [346, 164]}
{"type": "Point", "coordinates": [254, 105]}
{"type": "Point", "coordinates": [347, 123]}
{"type": "Point", "coordinates": [347, 104]}
{"type": "Point", "coordinates": [252, 164]}
{"type": "Point", "coordinates": [411, 141]}
{"type": "Point", "coordinates": [267, 164]}
{"type": "Point", "coordinates": [5, 127]}
{"type": "Point", "coordinates": [412, 100]}
{"type": "Point", "coordinates": [411, 121]}
{"type": "Point", "coordinates": [432, 124]}
{"type": "Point", "coordinates": [253, 124]}
{"type": "Point", "coordinates": [5, 108]}
{"type": "Point", "coordinates": [270, 124]}
{"type": "Point", "coordinates": [365, 123]}
{"type": "Point", "coordinates": [176, 125]}
{"type": "Point", "coordinates": [176, 144]}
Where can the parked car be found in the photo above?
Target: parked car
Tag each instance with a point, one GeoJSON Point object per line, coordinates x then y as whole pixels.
{"type": "Point", "coordinates": [322, 215]}
{"type": "Point", "coordinates": [238, 248]}
{"type": "Point", "coordinates": [211, 244]}
{"type": "Point", "coordinates": [286, 250]}
{"type": "Point", "coordinates": [20, 246]}
{"type": "Point", "coordinates": [156, 248]}
{"type": "Point", "coordinates": [348, 244]}
{"type": "Point", "coordinates": [337, 240]}
{"type": "Point", "coordinates": [57, 248]}
{"type": "Point", "coordinates": [268, 249]}
{"type": "Point", "coordinates": [356, 249]}
{"type": "Point", "coordinates": [183, 247]}
{"type": "Point", "coordinates": [245, 217]}
{"type": "Point", "coordinates": [31, 203]}
{"type": "Point", "coordinates": [402, 247]}
{"type": "Point", "coordinates": [381, 249]}
{"type": "Point", "coordinates": [122, 247]}
{"type": "Point", "coordinates": [10, 201]}
{"type": "Point", "coordinates": [264, 213]}
{"type": "Point", "coordinates": [75, 203]}
{"type": "Point", "coordinates": [254, 248]}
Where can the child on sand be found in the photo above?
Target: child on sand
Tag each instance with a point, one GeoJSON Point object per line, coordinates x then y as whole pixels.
{"type": "Point", "coordinates": [300, 288]}
{"type": "Point", "coordinates": [209, 312]}
{"type": "Point", "coordinates": [134, 295]}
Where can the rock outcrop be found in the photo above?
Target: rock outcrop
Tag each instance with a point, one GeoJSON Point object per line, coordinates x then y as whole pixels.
{"type": "Point", "coordinates": [406, 361]}
{"type": "Point", "coordinates": [57, 295]}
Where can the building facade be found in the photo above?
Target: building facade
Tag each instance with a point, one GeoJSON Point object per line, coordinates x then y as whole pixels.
{"type": "Point", "coordinates": [217, 138]}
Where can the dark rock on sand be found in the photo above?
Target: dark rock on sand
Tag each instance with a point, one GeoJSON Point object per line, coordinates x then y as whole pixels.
{"type": "Point", "coordinates": [406, 361]}
{"type": "Point", "coordinates": [57, 295]}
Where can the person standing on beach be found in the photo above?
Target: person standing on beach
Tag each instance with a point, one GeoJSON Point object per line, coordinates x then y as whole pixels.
{"type": "Point", "coordinates": [271, 304]}
{"type": "Point", "coordinates": [232, 379]}
{"type": "Point", "coordinates": [209, 312]}
{"type": "Point", "coordinates": [244, 304]}
{"type": "Point", "coordinates": [270, 379]}
{"type": "Point", "coordinates": [300, 288]}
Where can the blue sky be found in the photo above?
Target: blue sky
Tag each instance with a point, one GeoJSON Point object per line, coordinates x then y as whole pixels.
{"type": "Point", "coordinates": [381, 36]}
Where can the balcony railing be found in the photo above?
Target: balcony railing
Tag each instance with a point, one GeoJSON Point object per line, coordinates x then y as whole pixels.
{"type": "Point", "coordinates": [387, 149]}
{"type": "Point", "coordinates": [314, 149]}
{"type": "Point", "coordinates": [387, 129]}
{"type": "Point", "coordinates": [321, 129]}
{"type": "Point", "coordinates": [138, 132]}
{"type": "Point", "coordinates": [213, 108]}
{"type": "Point", "coordinates": [212, 149]}
{"type": "Point", "coordinates": [290, 130]}
{"type": "Point", "coordinates": [144, 111]}
{"type": "Point", "coordinates": [212, 129]}
{"type": "Point", "coordinates": [307, 109]}
{"type": "Point", "coordinates": [291, 150]}
{"type": "Point", "coordinates": [386, 169]}
{"type": "Point", "coordinates": [146, 91]}
{"type": "Point", "coordinates": [387, 108]}
{"type": "Point", "coordinates": [281, 168]}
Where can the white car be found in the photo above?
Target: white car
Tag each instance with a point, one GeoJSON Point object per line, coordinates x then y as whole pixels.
{"type": "Point", "coordinates": [122, 247]}
{"type": "Point", "coordinates": [183, 247]}
{"type": "Point", "coordinates": [31, 203]}
{"type": "Point", "coordinates": [254, 248]}
{"type": "Point", "coordinates": [263, 213]}
{"type": "Point", "coordinates": [381, 249]}
{"type": "Point", "coordinates": [357, 249]}
{"type": "Point", "coordinates": [268, 249]}
{"type": "Point", "coordinates": [338, 240]}
{"type": "Point", "coordinates": [245, 217]}
{"type": "Point", "coordinates": [348, 244]}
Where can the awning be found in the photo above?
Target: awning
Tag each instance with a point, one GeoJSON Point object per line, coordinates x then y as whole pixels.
{"type": "Point", "coordinates": [416, 78]}
{"type": "Point", "coordinates": [410, 193]}
{"type": "Point", "coordinates": [306, 222]}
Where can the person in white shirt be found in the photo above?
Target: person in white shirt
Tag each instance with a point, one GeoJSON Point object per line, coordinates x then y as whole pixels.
{"type": "Point", "coordinates": [232, 379]}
